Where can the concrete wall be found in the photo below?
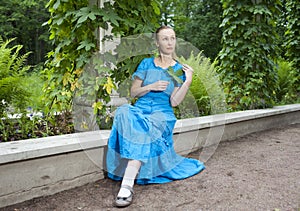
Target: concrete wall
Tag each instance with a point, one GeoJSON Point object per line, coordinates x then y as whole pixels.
{"type": "Point", "coordinates": [44, 166]}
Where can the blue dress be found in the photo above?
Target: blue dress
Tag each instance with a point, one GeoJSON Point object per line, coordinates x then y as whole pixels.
{"type": "Point", "coordinates": [144, 132]}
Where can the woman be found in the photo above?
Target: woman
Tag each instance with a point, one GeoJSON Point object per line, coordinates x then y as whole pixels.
{"type": "Point", "coordinates": [140, 146]}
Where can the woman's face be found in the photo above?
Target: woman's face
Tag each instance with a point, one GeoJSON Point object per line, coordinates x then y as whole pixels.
{"type": "Point", "coordinates": [166, 41]}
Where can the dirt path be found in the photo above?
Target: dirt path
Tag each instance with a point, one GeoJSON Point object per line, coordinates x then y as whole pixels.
{"type": "Point", "coordinates": [258, 172]}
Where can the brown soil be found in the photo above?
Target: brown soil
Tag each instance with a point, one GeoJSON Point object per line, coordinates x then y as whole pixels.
{"type": "Point", "coordinates": [260, 171]}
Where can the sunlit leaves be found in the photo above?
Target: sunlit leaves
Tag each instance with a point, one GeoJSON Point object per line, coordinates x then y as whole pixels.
{"type": "Point", "coordinates": [73, 26]}
{"type": "Point", "coordinates": [109, 85]}
{"type": "Point", "coordinates": [97, 106]}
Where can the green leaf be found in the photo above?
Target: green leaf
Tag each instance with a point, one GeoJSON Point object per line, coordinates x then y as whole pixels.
{"type": "Point", "coordinates": [83, 18]}
{"type": "Point", "coordinates": [56, 5]}
{"type": "Point", "coordinates": [92, 16]}
{"type": "Point", "coordinates": [175, 75]}
{"type": "Point", "coordinates": [86, 45]}
{"type": "Point", "coordinates": [155, 7]}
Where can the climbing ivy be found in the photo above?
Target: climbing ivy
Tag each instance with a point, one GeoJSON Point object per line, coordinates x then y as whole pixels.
{"type": "Point", "coordinates": [292, 34]}
{"type": "Point", "coordinates": [73, 31]}
{"type": "Point", "coordinates": [248, 52]}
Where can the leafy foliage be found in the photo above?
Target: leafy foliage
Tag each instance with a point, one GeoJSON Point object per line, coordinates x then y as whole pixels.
{"type": "Point", "coordinates": [246, 59]}
{"type": "Point", "coordinates": [72, 30]}
{"type": "Point", "coordinates": [206, 90]}
{"type": "Point", "coordinates": [26, 126]}
{"type": "Point", "coordinates": [23, 20]}
{"type": "Point", "coordinates": [33, 84]}
{"type": "Point", "coordinates": [16, 88]}
{"type": "Point", "coordinates": [286, 83]}
{"type": "Point", "coordinates": [137, 22]}
{"type": "Point", "coordinates": [203, 18]}
{"type": "Point", "coordinates": [203, 29]}
{"type": "Point", "coordinates": [73, 40]}
{"type": "Point", "coordinates": [12, 69]}
{"type": "Point", "coordinates": [293, 39]}
{"type": "Point", "coordinates": [176, 13]}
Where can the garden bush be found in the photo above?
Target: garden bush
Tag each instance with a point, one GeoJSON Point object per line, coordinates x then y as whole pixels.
{"type": "Point", "coordinates": [12, 69]}
{"type": "Point", "coordinates": [286, 83]}
{"type": "Point", "coordinates": [205, 91]}
{"type": "Point", "coordinates": [20, 90]}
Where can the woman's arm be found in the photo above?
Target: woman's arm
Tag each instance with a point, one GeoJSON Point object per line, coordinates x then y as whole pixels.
{"type": "Point", "coordinates": [179, 93]}
{"type": "Point", "coordinates": [137, 90]}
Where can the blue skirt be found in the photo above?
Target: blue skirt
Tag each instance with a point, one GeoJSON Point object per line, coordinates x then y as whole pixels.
{"type": "Point", "coordinates": [147, 135]}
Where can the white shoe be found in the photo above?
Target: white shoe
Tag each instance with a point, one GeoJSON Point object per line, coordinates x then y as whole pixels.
{"type": "Point", "coordinates": [124, 201]}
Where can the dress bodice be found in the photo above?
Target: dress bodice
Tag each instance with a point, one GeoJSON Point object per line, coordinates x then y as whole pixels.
{"type": "Point", "coordinates": [149, 72]}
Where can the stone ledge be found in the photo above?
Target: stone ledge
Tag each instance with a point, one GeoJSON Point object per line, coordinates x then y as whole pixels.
{"type": "Point", "coordinates": [52, 145]}
{"type": "Point", "coordinates": [40, 147]}
{"type": "Point", "coordinates": [44, 166]}
{"type": "Point", "coordinates": [228, 118]}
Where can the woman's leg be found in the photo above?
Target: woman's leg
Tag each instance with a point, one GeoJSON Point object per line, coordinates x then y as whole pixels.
{"type": "Point", "coordinates": [131, 171]}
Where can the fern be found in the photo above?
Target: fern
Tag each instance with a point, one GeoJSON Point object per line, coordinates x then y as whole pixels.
{"type": "Point", "coordinates": [205, 88]}
{"type": "Point", "coordinates": [286, 81]}
{"type": "Point", "coordinates": [12, 69]}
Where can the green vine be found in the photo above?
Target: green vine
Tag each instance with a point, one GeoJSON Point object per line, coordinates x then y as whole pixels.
{"type": "Point", "coordinates": [248, 52]}
{"type": "Point", "coordinates": [73, 31]}
{"type": "Point", "coordinates": [292, 35]}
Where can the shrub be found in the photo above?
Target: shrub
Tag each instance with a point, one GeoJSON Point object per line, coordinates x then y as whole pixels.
{"type": "Point", "coordinates": [12, 70]}
{"type": "Point", "coordinates": [248, 53]}
{"type": "Point", "coordinates": [25, 126]}
{"type": "Point", "coordinates": [205, 90]}
{"type": "Point", "coordinates": [286, 82]}
{"type": "Point", "coordinates": [19, 90]}
{"type": "Point", "coordinates": [33, 84]}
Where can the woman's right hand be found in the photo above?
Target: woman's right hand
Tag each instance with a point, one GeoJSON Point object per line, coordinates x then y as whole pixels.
{"type": "Point", "coordinates": [137, 90]}
{"type": "Point", "coordinates": [159, 86]}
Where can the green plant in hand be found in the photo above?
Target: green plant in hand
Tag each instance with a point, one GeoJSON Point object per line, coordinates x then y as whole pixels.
{"type": "Point", "coordinates": [175, 74]}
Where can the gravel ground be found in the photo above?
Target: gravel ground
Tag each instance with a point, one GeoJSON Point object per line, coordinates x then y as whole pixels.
{"type": "Point", "coordinates": [260, 171]}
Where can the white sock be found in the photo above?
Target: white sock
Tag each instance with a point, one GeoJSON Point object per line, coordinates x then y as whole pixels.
{"type": "Point", "coordinates": [128, 179]}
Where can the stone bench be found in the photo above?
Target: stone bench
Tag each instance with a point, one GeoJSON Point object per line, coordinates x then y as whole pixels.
{"type": "Point", "coordinates": [44, 166]}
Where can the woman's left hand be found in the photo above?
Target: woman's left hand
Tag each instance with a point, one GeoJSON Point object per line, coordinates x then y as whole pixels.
{"type": "Point", "coordinates": [188, 72]}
